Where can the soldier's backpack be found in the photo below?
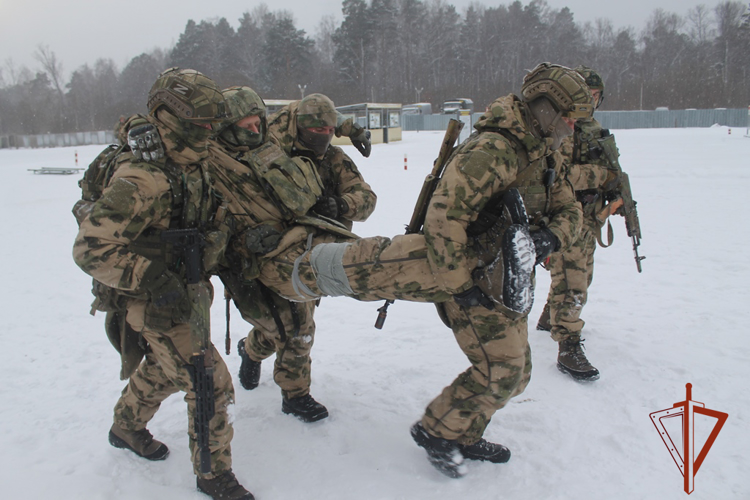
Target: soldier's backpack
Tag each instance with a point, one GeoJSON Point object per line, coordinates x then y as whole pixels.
{"type": "Point", "coordinates": [95, 178]}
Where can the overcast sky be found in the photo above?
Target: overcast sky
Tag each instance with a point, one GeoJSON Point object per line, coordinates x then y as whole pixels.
{"type": "Point", "coordinates": [81, 31]}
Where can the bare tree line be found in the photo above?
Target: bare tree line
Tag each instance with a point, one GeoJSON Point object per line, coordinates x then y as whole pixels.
{"type": "Point", "coordinates": [404, 51]}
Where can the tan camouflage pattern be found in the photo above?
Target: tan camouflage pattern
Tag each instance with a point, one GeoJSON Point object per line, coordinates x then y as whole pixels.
{"type": "Point", "coordinates": [341, 178]}
{"type": "Point", "coordinates": [572, 271]}
{"type": "Point", "coordinates": [292, 366]}
{"type": "Point", "coordinates": [500, 357]}
{"type": "Point", "coordinates": [501, 154]}
{"type": "Point", "coordinates": [291, 369]}
{"type": "Point", "coordinates": [163, 373]}
{"type": "Point", "coordinates": [486, 164]}
{"type": "Point", "coordinates": [377, 268]}
{"type": "Point", "coordinates": [337, 170]}
{"type": "Point", "coordinates": [251, 206]}
{"type": "Point", "coordinates": [138, 201]}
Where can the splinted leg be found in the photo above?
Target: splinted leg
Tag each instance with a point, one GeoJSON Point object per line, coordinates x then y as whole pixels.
{"type": "Point", "coordinates": [367, 269]}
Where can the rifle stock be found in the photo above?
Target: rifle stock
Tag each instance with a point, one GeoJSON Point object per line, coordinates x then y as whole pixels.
{"type": "Point", "coordinates": [188, 243]}
{"type": "Point", "coordinates": [423, 200]}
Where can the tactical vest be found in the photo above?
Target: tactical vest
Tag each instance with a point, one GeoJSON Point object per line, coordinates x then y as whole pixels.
{"type": "Point", "coordinates": [294, 182]}
{"type": "Point", "coordinates": [534, 181]}
{"type": "Point", "coordinates": [595, 145]}
{"type": "Point", "coordinates": [191, 207]}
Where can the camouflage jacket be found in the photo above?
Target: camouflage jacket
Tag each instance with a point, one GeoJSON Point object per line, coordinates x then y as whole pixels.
{"type": "Point", "coordinates": [502, 153]}
{"type": "Point", "coordinates": [338, 172]}
{"type": "Point", "coordinates": [120, 238]}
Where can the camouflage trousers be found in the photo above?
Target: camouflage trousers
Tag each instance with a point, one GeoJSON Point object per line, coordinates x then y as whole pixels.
{"type": "Point", "coordinates": [162, 373]}
{"type": "Point", "coordinates": [291, 369]}
{"type": "Point", "coordinates": [500, 357]}
{"type": "Point", "coordinates": [572, 272]}
{"type": "Point", "coordinates": [375, 268]}
{"type": "Point", "coordinates": [280, 327]}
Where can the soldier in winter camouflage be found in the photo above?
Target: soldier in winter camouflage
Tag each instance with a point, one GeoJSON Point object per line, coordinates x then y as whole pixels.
{"type": "Point", "coordinates": [592, 160]}
{"type": "Point", "coordinates": [261, 214]}
{"type": "Point", "coordinates": [156, 189]}
{"type": "Point", "coordinates": [513, 147]}
{"type": "Point", "coordinates": [304, 129]}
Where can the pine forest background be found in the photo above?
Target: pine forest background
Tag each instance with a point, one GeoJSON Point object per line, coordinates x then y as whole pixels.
{"type": "Point", "coordinates": [403, 51]}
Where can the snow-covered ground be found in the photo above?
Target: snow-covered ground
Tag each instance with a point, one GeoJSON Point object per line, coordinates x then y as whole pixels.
{"type": "Point", "coordinates": [682, 320]}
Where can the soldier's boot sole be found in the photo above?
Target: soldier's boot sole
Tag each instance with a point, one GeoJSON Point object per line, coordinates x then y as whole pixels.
{"type": "Point", "coordinates": [249, 370]}
{"type": "Point", "coordinates": [442, 454]}
{"type": "Point", "coordinates": [161, 453]}
{"type": "Point", "coordinates": [519, 257]}
{"type": "Point", "coordinates": [587, 376]}
{"type": "Point", "coordinates": [544, 323]}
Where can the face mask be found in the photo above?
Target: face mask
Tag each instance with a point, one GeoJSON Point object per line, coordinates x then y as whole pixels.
{"type": "Point", "coordinates": [550, 122]}
{"type": "Point", "coordinates": [317, 143]}
{"type": "Point", "coordinates": [238, 136]}
{"type": "Point", "coordinates": [183, 136]}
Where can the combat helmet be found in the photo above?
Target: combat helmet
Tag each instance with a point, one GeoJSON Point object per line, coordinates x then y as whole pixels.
{"type": "Point", "coordinates": [241, 102]}
{"type": "Point", "coordinates": [565, 88]}
{"type": "Point", "coordinates": [189, 95]}
{"type": "Point", "coordinates": [552, 94]}
{"type": "Point", "coordinates": [593, 80]}
{"type": "Point", "coordinates": [315, 110]}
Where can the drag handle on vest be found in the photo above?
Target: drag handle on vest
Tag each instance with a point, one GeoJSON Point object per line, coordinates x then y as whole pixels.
{"type": "Point", "coordinates": [425, 195]}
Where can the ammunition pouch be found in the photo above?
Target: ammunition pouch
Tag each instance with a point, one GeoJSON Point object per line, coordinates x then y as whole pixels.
{"type": "Point", "coordinates": [294, 181]}
{"type": "Point", "coordinates": [611, 154]}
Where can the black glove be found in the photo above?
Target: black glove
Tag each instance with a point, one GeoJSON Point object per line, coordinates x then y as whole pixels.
{"type": "Point", "coordinates": [262, 239]}
{"type": "Point", "coordinates": [331, 206]}
{"type": "Point", "coordinates": [165, 288]}
{"type": "Point", "coordinates": [361, 140]}
{"type": "Point", "coordinates": [472, 297]}
{"type": "Point", "coordinates": [545, 242]}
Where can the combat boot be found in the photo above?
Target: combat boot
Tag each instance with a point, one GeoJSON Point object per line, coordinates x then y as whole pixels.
{"type": "Point", "coordinates": [572, 360]}
{"type": "Point", "coordinates": [544, 322]}
{"type": "Point", "coordinates": [142, 443]}
{"type": "Point", "coordinates": [443, 454]}
{"type": "Point", "coordinates": [249, 369]}
{"type": "Point", "coordinates": [486, 451]}
{"type": "Point", "coordinates": [224, 487]}
{"type": "Point", "coordinates": [304, 408]}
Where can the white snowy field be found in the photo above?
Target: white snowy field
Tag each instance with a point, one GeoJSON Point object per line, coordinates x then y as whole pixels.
{"type": "Point", "coordinates": [682, 320]}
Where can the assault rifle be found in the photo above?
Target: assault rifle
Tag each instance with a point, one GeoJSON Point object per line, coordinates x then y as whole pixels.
{"type": "Point", "coordinates": [428, 187]}
{"type": "Point", "coordinates": [624, 204]}
{"type": "Point", "coordinates": [188, 243]}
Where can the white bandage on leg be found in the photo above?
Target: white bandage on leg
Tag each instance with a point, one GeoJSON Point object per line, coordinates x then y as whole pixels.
{"type": "Point", "coordinates": [326, 260]}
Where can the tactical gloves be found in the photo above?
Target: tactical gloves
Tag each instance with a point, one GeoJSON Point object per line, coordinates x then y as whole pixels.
{"type": "Point", "coordinates": [473, 297]}
{"type": "Point", "coordinates": [262, 239]}
{"type": "Point", "coordinates": [331, 206]}
{"type": "Point", "coordinates": [545, 242]}
{"type": "Point", "coordinates": [361, 140]}
{"type": "Point", "coordinates": [166, 290]}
